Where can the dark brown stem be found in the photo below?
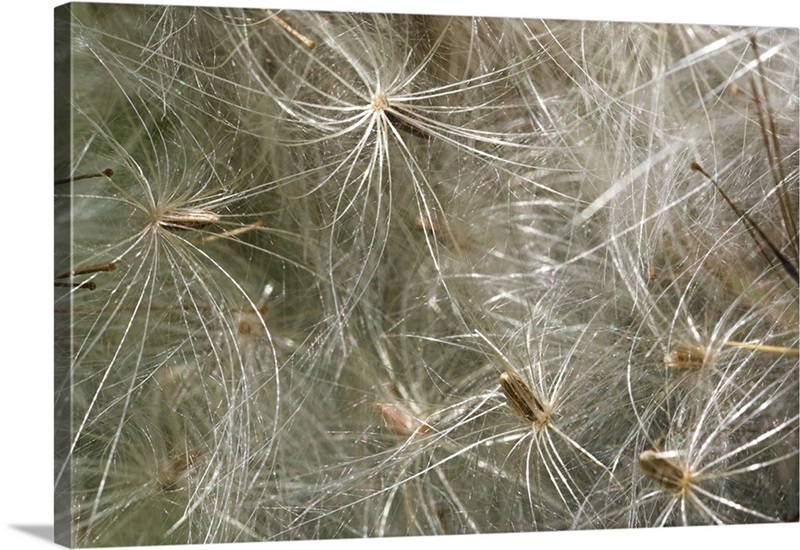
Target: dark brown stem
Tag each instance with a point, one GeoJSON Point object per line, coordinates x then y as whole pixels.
{"type": "Point", "coordinates": [107, 173]}
{"type": "Point", "coordinates": [752, 228]}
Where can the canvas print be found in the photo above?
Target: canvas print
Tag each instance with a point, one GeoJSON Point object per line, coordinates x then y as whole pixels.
{"type": "Point", "coordinates": [325, 275]}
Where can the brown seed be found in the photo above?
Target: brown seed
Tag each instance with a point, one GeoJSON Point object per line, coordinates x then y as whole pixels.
{"type": "Point", "coordinates": [177, 469]}
{"type": "Point", "coordinates": [686, 356]}
{"type": "Point", "coordinates": [187, 218]}
{"type": "Point", "coordinates": [399, 421]}
{"type": "Point", "coordinates": [664, 471]}
{"type": "Point", "coordinates": [522, 400]}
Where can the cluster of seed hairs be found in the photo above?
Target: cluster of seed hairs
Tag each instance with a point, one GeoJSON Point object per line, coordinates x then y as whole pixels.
{"type": "Point", "coordinates": [332, 275]}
